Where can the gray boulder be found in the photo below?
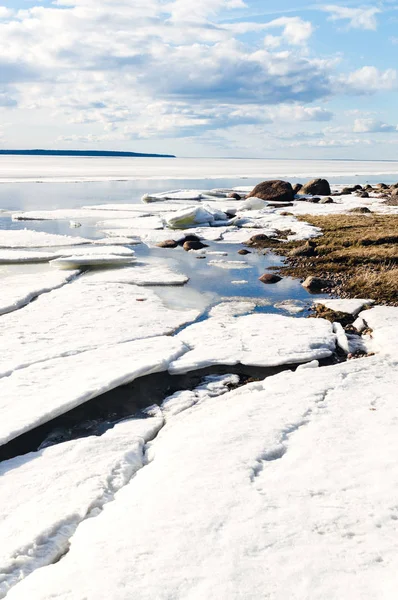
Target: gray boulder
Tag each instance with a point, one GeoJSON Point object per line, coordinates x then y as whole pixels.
{"type": "Point", "coordinates": [315, 187]}
{"type": "Point", "coordinates": [274, 191]}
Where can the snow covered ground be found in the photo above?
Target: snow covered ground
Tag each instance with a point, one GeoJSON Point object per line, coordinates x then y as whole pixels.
{"type": "Point", "coordinates": [281, 489]}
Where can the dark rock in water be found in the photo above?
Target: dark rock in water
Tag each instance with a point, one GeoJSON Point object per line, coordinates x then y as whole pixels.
{"type": "Point", "coordinates": [327, 200]}
{"type": "Point", "coordinates": [314, 200]}
{"type": "Point", "coordinates": [262, 241]}
{"type": "Point", "coordinates": [196, 245]}
{"type": "Point", "coordinates": [235, 196]}
{"type": "Point", "coordinates": [297, 187]}
{"type": "Point", "coordinates": [316, 186]}
{"type": "Point", "coordinates": [243, 252]}
{"type": "Point", "coordinates": [362, 210]}
{"type": "Point", "coordinates": [269, 278]}
{"type": "Point", "coordinates": [167, 244]}
{"type": "Point", "coordinates": [274, 191]}
{"type": "Point", "coordinates": [316, 284]}
{"type": "Point", "coordinates": [189, 238]}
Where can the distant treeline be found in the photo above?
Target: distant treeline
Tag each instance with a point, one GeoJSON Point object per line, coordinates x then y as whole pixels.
{"type": "Point", "coordinates": [82, 153]}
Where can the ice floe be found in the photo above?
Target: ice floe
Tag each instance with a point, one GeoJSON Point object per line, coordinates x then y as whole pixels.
{"type": "Point", "coordinates": [24, 256]}
{"type": "Point", "coordinates": [84, 315]}
{"type": "Point", "coordinates": [36, 394]}
{"type": "Point", "coordinates": [280, 475]}
{"type": "Point", "coordinates": [132, 223]}
{"type": "Point", "coordinates": [230, 264]}
{"type": "Point", "coordinates": [18, 290]}
{"type": "Point", "coordinates": [54, 490]}
{"type": "Point", "coordinates": [383, 320]}
{"type": "Point", "coordinates": [265, 340]}
{"type": "Point", "coordinates": [25, 238]}
{"type": "Point", "coordinates": [190, 217]}
{"type": "Point", "coordinates": [91, 260]}
{"type": "Point", "coordinates": [142, 273]}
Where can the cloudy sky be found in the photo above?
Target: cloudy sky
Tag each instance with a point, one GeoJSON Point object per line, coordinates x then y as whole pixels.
{"type": "Point", "coordinates": [242, 78]}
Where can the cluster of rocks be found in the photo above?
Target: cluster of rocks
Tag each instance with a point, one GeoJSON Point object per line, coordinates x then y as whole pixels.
{"type": "Point", "coordinates": [283, 192]}
{"type": "Point", "coordinates": [189, 242]}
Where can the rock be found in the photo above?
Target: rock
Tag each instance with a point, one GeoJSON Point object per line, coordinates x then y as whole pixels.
{"type": "Point", "coordinates": [235, 196]}
{"type": "Point", "coordinates": [269, 278]}
{"type": "Point", "coordinates": [363, 195]}
{"type": "Point", "coordinates": [274, 190]}
{"type": "Point", "coordinates": [167, 244]}
{"type": "Point", "coordinates": [189, 238]}
{"type": "Point", "coordinates": [314, 200]}
{"type": "Point", "coordinates": [243, 252]}
{"type": "Point", "coordinates": [297, 187]}
{"type": "Point", "coordinates": [347, 190]}
{"type": "Point", "coordinates": [327, 200]}
{"type": "Point", "coordinates": [304, 250]}
{"type": "Point", "coordinates": [196, 245]}
{"type": "Point", "coordinates": [394, 191]}
{"type": "Point", "coordinates": [357, 187]}
{"type": "Point", "coordinates": [316, 284]}
{"type": "Point", "coordinates": [382, 186]}
{"type": "Point", "coordinates": [262, 241]}
{"type": "Point", "coordinates": [362, 210]}
{"type": "Point", "coordinates": [316, 186]}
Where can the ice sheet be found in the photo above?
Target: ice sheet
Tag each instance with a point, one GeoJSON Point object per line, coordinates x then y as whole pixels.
{"type": "Point", "coordinates": [54, 490]}
{"type": "Point", "coordinates": [383, 320]}
{"type": "Point", "coordinates": [273, 490]}
{"type": "Point", "coordinates": [265, 340]}
{"type": "Point", "coordinates": [351, 306]}
{"type": "Point", "coordinates": [26, 238]}
{"type": "Point", "coordinates": [142, 273]}
{"type": "Point", "coordinates": [83, 316]}
{"type": "Point", "coordinates": [32, 396]}
{"type": "Point", "coordinates": [18, 290]}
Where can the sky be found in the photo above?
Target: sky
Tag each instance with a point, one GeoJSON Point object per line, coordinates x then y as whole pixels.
{"type": "Point", "coordinates": [205, 78]}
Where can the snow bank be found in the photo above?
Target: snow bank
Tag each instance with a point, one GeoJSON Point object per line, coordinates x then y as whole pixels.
{"type": "Point", "coordinates": [271, 491]}
{"type": "Point", "coordinates": [54, 490]}
{"type": "Point", "coordinates": [36, 394]}
{"type": "Point", "coordinates": [383, 320]}
{"type": "Point", "coordinates": [263, 340]}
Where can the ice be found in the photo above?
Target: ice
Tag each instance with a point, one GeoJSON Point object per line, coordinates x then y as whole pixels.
{"type": "Point", "coordinates": [265, 340]}
{"type": "Point", "coordinates": [97, 250]}
{"type": "Point", "coordinates": [83, 316]}
{"type": "Point", "coordinates": [25, 238]}
{"type": "Point", "coordinates": [230, 264]}
{"type": "Point", "coordinates": [54, 490]}
{"type": "Point", "coordinates": [174, 195]}
{"type": "Point", "coordinates": [350, 306]}
{"type": "Point", "coordinates": [24, 256]}
{"type": "Point", "coordinates": [291, 306]}
{"type": "Point", "coordinates": [91, 260]}
{"type": "Point", "coordinates": [239, 282]}
{"type": "Point", "coordinates": [132, 223]}
{"type": "Point", "coordinates": [212, 386]}
{"type": "Point", "coordinates": [18, 290]}
{"type": "Point", "coordinates": [383, 320]}
{"type": "Point", "coordinates": [281, 489]}
{"type": "Point", "coordinates": [341, 205]}
{"type": "Point", "coordinates": [36, 394]}
{"type": "Point", "coordinates": [66, 214]}
{"type": "Point", "coordinates": [189, 217]}
{"type": "Point", "coordinates": [151, 209]}
{"type": "Point", "coordinates": [142, 273]}
{"type": "Point", "coordinates": [233, 308]}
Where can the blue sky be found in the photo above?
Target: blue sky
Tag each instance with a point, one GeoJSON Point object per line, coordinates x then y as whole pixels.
{"type": "Point", "coordinates": [246, 78]}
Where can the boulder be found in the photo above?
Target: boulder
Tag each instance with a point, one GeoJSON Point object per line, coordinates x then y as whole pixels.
{"type": "Point", "coordinates": [316, 284]}
{"type": "Point", "coordinates": [361, 210]}
{"type": "Point", "coordinates": [363, 195]}
{"type": "Point", "coordinates": [274, 190]}
{"type": "Point", "coordinates": [304, 250]}
{"type": "Point", "coordinates": [327, 200]}
{"type": "Point", "coordinates": [314, 200]}
{"type": "Point", "coordinates": [235, 196]}
{"type": "Point", "coordinates": [269, 278]}
{"type": "Point", "coordinates": [189, 238]}
{"type": "Point", "coordinates": [194, 246]}
{"type": "Point", "coordinates": [243, 252]}
{"type": "Point", "coordinates": [316, 186]}
{"type": "Point", "coordinates": [297, 187]}
{"type": "Point", "coordinates": [167, 244]}
{"type": "Point", "coordinates": [347, 190]}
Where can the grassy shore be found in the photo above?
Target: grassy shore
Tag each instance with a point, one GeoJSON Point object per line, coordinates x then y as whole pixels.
{"type": "Point", "coordinates": [358, 253]}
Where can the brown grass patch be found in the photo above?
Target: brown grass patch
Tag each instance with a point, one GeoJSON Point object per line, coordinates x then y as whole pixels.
{"type": "Point", "coordinates": [358, 252]}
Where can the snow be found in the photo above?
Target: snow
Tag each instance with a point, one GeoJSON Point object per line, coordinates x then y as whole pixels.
{"type": "Point", "coordinates": [233, 308]}
{"type": "Point", "coordinates": [281, 489]}
{"type": "Point", "coordinates": [91, 260]}
{"type": "Point", "coordinates": [263, 340]}
{"type": "Point", "coordinates": [83, 316]}
{"type": "Point", "coordinates": [189, 217]}
{"type": "Point", "coordinates": [350, 306]}
{"type": "Point", "coordinates": [24, 256]}
{"type": "Point", "coordinates": [62, 486]}
{"type": "Point", "coordinates": [142, 273]}
{"type": "Point", "coordinates": [341, 205]}
{"type": "Point", "coordinates": [80, 214]}
{"type": "Point", "coordinates": [151, 209]}
{"type": "Point", "coordinates": [36, 394]}
{"type": "Point", "coordinates": [132, 223]}
{"type": "Point", "coordinates": [25, 238]}
{"type": "Point", "coordinates": [383, 320]}
{"type": "Point", "coordinates": [18, 290]}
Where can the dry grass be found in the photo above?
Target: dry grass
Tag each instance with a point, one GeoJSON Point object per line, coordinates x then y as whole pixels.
{"type": "Point", "coordinates": [358, 252]}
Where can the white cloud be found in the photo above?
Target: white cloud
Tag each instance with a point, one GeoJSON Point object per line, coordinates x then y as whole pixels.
{"type": "Point", "coordinates": [368, 80]}
{"type": "Point", "coordinates": [373, 126]}
{"type": "Point", "coordinates": [295, 31]}
{"type": "Point", "coordinates": [358, 18]}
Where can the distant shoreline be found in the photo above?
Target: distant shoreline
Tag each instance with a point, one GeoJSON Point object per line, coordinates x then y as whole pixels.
{"type": "Point", "coordinates": [86, 153]}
